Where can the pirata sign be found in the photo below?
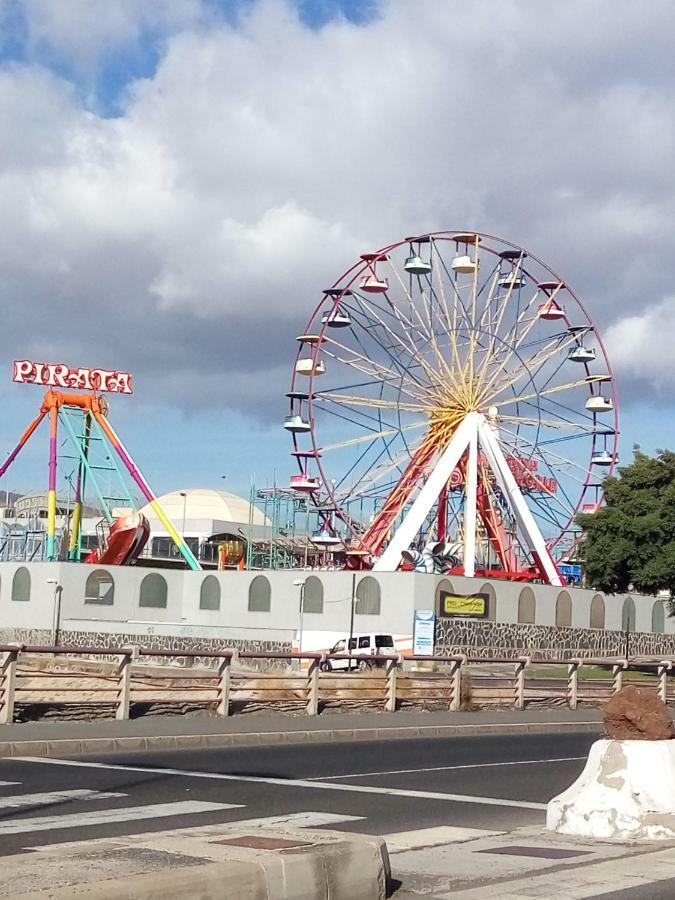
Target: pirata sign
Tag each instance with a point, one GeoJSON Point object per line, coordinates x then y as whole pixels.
{"type": "Point", "coordinates": [473, 606]}
{"type": "Point", "coordinates": [59, 375]}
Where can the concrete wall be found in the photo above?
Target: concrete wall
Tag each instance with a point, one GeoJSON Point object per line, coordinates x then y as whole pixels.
{"type": "Point", "coordinates": [182, 624]}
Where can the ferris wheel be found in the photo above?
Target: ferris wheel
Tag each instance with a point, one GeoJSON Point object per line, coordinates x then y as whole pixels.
{"type": "Point", "coordinates": [450, 391]}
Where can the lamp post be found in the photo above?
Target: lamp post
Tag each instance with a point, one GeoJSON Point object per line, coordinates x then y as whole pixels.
{"type": "Point", "coordinates": [56, 616]}
{"type": "Point", "coordinates": [300, 582]}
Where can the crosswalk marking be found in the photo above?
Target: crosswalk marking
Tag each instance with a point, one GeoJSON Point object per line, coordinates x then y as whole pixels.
{"type": "Point", "coordinates": [399, 841]}
{"type": "Point", "coordinates": [294, 820]}
{"type": "Point", "coordinates": [48, 797]}
{"type": "Point", "coordinates": [296, 783]}
{"type": "Point", "coordinates": [107, 816]}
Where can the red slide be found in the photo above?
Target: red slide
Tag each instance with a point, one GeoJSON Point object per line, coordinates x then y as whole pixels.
{"type": "Point", "coordinates": [126, 539]}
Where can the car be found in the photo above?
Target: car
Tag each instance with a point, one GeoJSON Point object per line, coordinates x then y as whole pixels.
{"type": "Point", "coordinates": [366, 646]}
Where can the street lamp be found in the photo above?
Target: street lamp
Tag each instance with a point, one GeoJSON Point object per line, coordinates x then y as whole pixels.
{"type": "Point", "coordinates": [184, 496]}
{"type": "Point", "coordinates": [300, 582]}
{"type": "Point", "coordinates": [56, 616]}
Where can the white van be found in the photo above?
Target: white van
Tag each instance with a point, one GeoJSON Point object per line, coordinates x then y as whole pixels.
{"type": "Point", "coordinates": [364, 645]}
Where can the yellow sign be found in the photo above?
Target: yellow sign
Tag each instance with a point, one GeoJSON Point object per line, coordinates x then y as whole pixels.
{"type": "Point", "coordinates": [463, 604]}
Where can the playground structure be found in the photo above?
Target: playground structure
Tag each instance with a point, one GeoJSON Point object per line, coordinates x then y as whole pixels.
{"type": "Point", "coordinates": [97, 450]}
{"type": "Point", "coordinates": [452, 408]}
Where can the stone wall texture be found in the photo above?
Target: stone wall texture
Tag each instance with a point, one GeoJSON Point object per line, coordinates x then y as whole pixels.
{"type": "Point", "coordinates": [105, 640]}
{"type": "Point", "coordinates": [485, 639]}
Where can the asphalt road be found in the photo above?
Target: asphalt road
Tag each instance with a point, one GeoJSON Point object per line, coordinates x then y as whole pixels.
{"type": "Point", "coordinates": [479, 782]}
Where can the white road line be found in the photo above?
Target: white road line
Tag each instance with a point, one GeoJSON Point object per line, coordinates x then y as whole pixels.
{"type": "Point", "coordinates": [20, 800]}
{"type": "Point", "coordinates": [9, 783]}
{"type": "Point", "coordinates": [291, 782]}
{"type": "Point", "coordinates": [521, 762]}
{"type": "Point", "coordinates": [106, 816]}
{"type": "Point", "coordinates": [399, 841]}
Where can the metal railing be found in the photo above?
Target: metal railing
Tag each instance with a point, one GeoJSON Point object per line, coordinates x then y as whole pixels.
{"type": "Point", "coordinates": [118, 679]}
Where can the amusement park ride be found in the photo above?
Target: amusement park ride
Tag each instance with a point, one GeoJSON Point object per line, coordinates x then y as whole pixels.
{"type": "Point", "coordinates": [452, 408]}
{"type": "Point", "coordinates": [96, 447]}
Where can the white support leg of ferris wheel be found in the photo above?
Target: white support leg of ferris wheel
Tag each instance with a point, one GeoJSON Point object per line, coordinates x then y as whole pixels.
{"type": "Point", "coordinates": [524, 518]}
{"type": "Point", "coordinates": [470, 506]}
{"type": "Point", "coordinates": [414, 519]}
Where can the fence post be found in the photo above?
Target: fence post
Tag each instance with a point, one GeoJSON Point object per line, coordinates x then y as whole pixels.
{"type": "Point", "coordinates": [456, 684]}
{"type": "Point", "coordinates": [312, 707]}
{"type": "Point", "coordinates": [573, 683]}
{"type": "Point", "coordinates": [617, 676]}
{"type": "Point", "coordinates": [8, 668]}
{"type": "Point", "coordinates": [664, 668]}
{"type": "Point", "coordinates": [519, 699]}
{"type": "Point", "coordinates": [225, 684]}
{"type": "Point", "coordinates": [390, 698]}
{"type": "Point", "coordinates": [124, 683]}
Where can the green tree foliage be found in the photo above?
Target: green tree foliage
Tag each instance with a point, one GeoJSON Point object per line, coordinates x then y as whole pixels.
{"type": "Point", "coordinates": [631, 540]}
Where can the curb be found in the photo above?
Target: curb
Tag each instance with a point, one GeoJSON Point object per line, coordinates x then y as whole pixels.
{"type": "Point", "coordinates": [267, 865]}
{"type": "Point", "coordinates": [80, 746]}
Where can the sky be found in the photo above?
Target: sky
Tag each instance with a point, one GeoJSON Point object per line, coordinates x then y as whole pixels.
{"type": "Point", "coordinates": [179, 179]}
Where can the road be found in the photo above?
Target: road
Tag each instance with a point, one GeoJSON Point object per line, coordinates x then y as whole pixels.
{"type": "Point", "coordinates": [378, 788]}
{"type": "Point", "coordinates": [460, 815]}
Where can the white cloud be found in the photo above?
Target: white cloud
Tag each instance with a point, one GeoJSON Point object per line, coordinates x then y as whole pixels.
{"type": "Point", "coordinates": [641, 347]}
{"type": "Point", "coordinates": [258, 160]}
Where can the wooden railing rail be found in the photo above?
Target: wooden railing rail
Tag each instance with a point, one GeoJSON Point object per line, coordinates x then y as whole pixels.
{"type": "Point", "coordinates": [113, 676]}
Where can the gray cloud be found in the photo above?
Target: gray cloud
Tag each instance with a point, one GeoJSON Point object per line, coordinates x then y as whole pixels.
{"type": "Point", "coordinates": [190, 236]}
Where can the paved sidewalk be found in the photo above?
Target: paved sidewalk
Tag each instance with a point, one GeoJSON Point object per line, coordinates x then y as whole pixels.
{"type": "Point", "coordinates": [528, 863]}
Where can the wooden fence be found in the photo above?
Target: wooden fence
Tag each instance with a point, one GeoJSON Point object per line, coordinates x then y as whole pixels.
{"type": "Point", "coordinates": [135, 678]}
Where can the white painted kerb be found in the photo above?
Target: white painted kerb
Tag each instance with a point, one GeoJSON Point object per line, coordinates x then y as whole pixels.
{"type": "Point", "coordinates": [626, 792]}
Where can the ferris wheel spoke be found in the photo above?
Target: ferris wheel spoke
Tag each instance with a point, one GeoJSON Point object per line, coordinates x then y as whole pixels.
{"type": "Point", "coordinates": [548, 423]}
{"type": "Point", "coordinates": [374, 370]}
{"type": "Point", "coordinates": [529, 367]}
{"type": "Point", "coordinates": [330, 410]}
{"type": "Point", "coordinates": [351, 442]}
{"type": "Point", "coordinates": [413, 353]}
{"type": "Point", "coordinates": [359, 460]}
{"type": "Point", "coordinates": [375, 402]}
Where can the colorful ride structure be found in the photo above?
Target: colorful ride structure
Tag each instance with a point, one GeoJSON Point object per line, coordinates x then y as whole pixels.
{"type": "Point", "coordinates": [97, 450]}
{"type": "Point", "coordinates": [452, 407]}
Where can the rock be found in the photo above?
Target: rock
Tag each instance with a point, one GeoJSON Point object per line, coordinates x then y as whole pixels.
{"type": "Point", "coordinates": [637, 715]}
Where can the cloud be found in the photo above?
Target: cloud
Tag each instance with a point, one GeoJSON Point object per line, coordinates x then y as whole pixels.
{"type": "Point", "coordinates": [641, 346]}
{"type": "Point", "coordinates": [196, 228]}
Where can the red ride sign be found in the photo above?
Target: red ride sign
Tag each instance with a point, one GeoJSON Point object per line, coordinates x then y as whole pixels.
{"type": "Point", "coordinates": [60, 375]}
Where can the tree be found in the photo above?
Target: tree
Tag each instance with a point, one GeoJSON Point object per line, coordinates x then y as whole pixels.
{"type": "Point", "coordinates": [631, 540]}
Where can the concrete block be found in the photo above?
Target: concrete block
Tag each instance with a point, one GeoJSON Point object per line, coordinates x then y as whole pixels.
{"type": "Point", "coordinates": [62, 747]}
{"type": "Point", "coordinates": [626, 792]}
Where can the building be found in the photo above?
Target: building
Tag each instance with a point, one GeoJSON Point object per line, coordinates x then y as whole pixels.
{"type": "Point", "coordinates": [205, 518]}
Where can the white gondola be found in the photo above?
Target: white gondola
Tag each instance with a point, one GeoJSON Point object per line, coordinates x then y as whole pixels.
{"type": "Point", "coordinates": [597, 403]}
{"type": "Point", "coordinates": [581, 354]}
{"type": "Point", "coordinates": [415, 265]}
{"type": "Point", "coordinates": [298, 395]}
{"type": "Point", "coordinates": [304, 483]}
{"type": "Point", "coordinates": [337, 319]}
{"type": "Point", "coordinates": [464, 264]}
{"type": "Point", "coordinates": [296, 424]}
{"type": "Point", "coordinates": [602, 458]}
{"type": "Point", "coordinates": [309, 338]}
{"type": "Point", "coordinates": [324, 538]}
{"type": "Point", "coordinates": [590, 508]}
{"type": "Point", "coordinates": [550, 286]}
{"type": "Point", "coordinates": [371, 284]}
{"type": "Point", "coordinates": [551, 311]}
{"type": "Point", "coordinates": [511, 280]}
{"type": "Point", "coordinates": [310, 367]}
